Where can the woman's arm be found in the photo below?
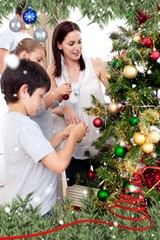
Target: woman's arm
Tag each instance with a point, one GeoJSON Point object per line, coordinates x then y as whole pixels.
{"type": "Point", "coordinates": [55, 92]}
{"type": "Point", "coordinates": [100, 70]}
{"type": "Point", "coordinates": [68, 113]}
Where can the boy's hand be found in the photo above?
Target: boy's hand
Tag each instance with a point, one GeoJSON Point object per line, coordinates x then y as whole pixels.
{"type": "Point", "coordinates": [66, 131]}
{"type": "Point", "coordinates": [80, 129]}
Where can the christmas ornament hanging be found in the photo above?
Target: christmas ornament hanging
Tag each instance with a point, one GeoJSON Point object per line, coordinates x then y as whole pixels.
{"type": "Point", "coordinates": [114, 108]}
{"type": "Point", "coordinates": [147, 42]}
{"type": "Point", "coordinates": [90, 174]}
{"type": "Point", "coordinates": [130, 71]}
{"type": "Point", "coordinates": [29, 16]}
{"type": "Point", "coordinates": [129, 188]}
{"type": "Point", "coordinates": [108, 76]}
{"type": "Point", "coordinates": [65, 97]}
{"type": "Point", "coordinates": [139, 138]}
{"type": "Point", "coordinates": [120, 151]}
{"type": "Point", "coordinates": [134, 120]}
{"type": "Point", "coordinates": [98, 122]}
{"type": "Point", "coordinates": [117, 63]}
{"type": "Point", "coordinates": [142, 17]}
{"type": "Point", "coordinates": [155, 55]}
{"type": "Point", "coordinates": [102, 194]}
{"type": "Point", "coordinates": [153, 136]}
{"type": "Point", "coordinates": [148, 147]}
{"type": "Point", "coordinates": [40, 35]}
{"type": "Point", "coordinates": [15, 25]}
{"type": "Point", "coordinates": [137, 38]}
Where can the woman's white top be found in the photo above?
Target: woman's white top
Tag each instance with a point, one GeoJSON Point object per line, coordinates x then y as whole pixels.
{"type": "Point", "coordinates": [80, 98]}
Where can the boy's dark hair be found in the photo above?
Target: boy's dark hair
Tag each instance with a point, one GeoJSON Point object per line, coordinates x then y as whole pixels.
{"type": "Point", "coordinates": [28, 72]}
{"type": "Point", "coordinates": [19, 9]}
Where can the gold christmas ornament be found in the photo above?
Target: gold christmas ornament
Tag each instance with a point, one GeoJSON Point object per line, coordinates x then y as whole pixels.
{"type": "Point", "coordinates": [139, 138]}
{"type": "Point", "coordinates": [153, 136]}
{"type": "Point", "coordinates": [114, 108]}
{"type": "Point", "coordinates": [108, 76]}
{"type": "Point", "coordinates": [147, 147]}
{"type": "Point", "coordinates": [137, 38]}
{"type": "Point", "coordinates": [130, 71]}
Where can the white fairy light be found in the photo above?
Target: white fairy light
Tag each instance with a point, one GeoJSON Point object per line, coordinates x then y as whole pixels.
{"type": "Point", "coordinates": [97, 131]}
{"type": "Point", "coordinates": [36, 199]}
{"type": "Point", "coordinates": [115, 224]}
{"type": "Point", "coordinates": [25, 72]}
{"type": "Point", "coordinates": [16, 149]}
{"type": "Point", "coordinates": [85, 192]}
{"type": "Point", "coordinates": [48, 189]}
{"type": "Point", "coordinates": [132, 188]}
{"type": "Point", "coordinates": [61, 222]}
{"type": "Point", "coordinates": [12, 61]}
{"type": "Point", "coordinates": [7, 209]}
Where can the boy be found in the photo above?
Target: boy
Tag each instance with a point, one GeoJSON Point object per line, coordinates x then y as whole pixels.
{"type": "Point", "coordinates": [31, 162]}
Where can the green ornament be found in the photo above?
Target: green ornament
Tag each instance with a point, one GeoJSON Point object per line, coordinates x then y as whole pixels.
{"type": "Point", "coordinates": [102, 194]}
{"type": "Point", "coordinates": [116, 63]}
{"type": "Point", "coordinates": [127, 185]}
{"type": "Point", "coordinates": [111, 81]}
{"type": "Point", "coordinates": [120, 151]}
{"type": "Point", "coordinates": [134, 121]}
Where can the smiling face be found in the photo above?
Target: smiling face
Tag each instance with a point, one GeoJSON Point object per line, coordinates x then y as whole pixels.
{"type": "Point", "coordinates": [71, 45]}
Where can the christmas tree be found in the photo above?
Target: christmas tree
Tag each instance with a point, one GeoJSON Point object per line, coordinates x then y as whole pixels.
{"type": "Point", "coordinates": [128, 149]}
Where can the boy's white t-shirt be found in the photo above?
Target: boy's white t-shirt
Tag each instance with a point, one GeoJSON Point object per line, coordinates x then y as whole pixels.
{"type": "Point", "coordinates": [24, 147]}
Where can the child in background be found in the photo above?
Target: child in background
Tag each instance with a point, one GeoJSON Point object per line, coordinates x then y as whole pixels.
{"type": "Point", "coordinates": [31, 162]}
{"type": "Point", "coordinates": [29, 48]}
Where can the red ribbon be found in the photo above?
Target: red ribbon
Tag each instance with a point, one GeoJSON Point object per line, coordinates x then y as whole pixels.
{"type": "Point", "coordinates": [136, 204]}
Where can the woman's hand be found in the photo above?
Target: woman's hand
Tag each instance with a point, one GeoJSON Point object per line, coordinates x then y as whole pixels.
{"type": "Point", "coordinates": [64, 89]}
{"type": "Point", "coordinates": [70, 115]}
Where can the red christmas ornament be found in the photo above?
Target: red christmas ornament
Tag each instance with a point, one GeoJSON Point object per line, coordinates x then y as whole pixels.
{"type": "Point", "coordinates": [147, 42]}
{"type": "Point", "coordinates": [98, 122]}
{"type": "Point", "coordinates": [155, 55]}
{"type": "Point", "coordinates": [65, 97]}
{"type": "Point", "coordinates": [90, 174]}
{"type": "Point", "coordinates": [123, 53]}
{"type": "Point", "coordinates": [142, 17]}
{"type": "Point", "coordinates": [128, 146]}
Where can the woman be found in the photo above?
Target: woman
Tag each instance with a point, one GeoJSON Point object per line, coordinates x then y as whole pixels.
{"type": "Point", "coordinates": [85, 76]}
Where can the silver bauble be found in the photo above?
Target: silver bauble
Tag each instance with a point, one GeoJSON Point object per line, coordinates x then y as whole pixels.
{"type": "Point", "coordinates": [40, 35]}
{"type": "Point", "coordinates": [15, 25]}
